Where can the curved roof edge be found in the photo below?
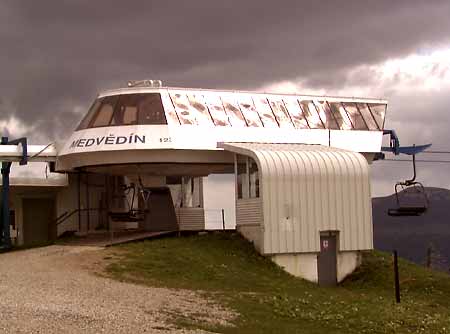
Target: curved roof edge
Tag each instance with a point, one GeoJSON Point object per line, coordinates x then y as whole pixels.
{"type": "Point", "coordinates": [309, 189]}
{"type": "Point", "coordinates": [134, 90]}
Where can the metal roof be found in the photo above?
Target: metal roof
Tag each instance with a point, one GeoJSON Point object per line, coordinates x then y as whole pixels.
{"type": "Point", "coordinates": [306, 189]}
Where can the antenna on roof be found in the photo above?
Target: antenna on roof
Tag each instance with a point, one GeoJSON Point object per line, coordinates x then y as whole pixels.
{"type": "Point", "coordinates": [145, 83]}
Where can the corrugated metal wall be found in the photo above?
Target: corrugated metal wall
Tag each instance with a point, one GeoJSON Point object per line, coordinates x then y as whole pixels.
{"type": "Point", "coordinates": [249, 211]}
{"type": "Point", "coordinates": [307, 189]}
{"type": "Point", "coordinates": [190, 219]}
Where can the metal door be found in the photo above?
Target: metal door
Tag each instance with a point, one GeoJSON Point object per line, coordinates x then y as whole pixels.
{"type": "Point", "coordinates": [327, 261]}
{"type": "Point", "coordinates": [38, 220]}
{"type": "Point", "coordinates": [161, 212]}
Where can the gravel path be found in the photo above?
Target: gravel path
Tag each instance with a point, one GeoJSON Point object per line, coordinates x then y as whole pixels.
{"type": "Point", "coordinates": [54, 290]}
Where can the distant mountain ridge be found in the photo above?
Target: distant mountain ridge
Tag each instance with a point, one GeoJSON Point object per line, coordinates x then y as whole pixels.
{"type": "Point", "coordinates": [412, 236]}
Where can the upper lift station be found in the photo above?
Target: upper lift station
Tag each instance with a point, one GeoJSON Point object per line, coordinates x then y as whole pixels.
{"type": "Point", "coordinates": [289, 172]}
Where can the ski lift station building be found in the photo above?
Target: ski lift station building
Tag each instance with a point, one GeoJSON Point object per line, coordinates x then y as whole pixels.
{"type": "Point", "coordinates": [289, 172]}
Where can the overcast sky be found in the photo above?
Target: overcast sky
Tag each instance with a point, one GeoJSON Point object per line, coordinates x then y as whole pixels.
{"type": "Point", "coordinates": [56, 55]}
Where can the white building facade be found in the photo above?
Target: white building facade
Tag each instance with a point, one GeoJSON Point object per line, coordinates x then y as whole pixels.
{"type": "Point", "coordinates": [290, 172]}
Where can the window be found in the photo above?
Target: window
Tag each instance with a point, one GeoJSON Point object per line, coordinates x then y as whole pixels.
{"type": "Point", "coordinates": [216, 110]}
{"type": "Point", "coordinates": [296, 113]}
{"type": "Point", "coordinates": [281, 113]}
{"type": "Point", "coordinates": [265, 112]}
{"type": "Point", "coordinates": [310, 112]}
{"type": "Point", "coordinates": [191, 109]}
{"type": "Point", "coordinates": [181, 103]}
{"type": "Point", "coordinates": [199, 109]}
{"type": "Point", "coordinates": [378, 111]}
{"type": "Point", "coordinates": [341, 116]}
{"type": "Point", "coordinates": [248, 110]}
{"type": "Point", "coordinates": [125, 112]}
{"type": "Point", "coordinates": [126, 109]}
{"type": "Point", "coordinates": [326, 115]}
{"type": "Point", "coordinates": [105, 112]}
{"type": "Point", "coordinates": [92, 111]}
{"type": "Point", "coordinates": [253, 178]}
{"type": "Point", "coordinates": [355, 116]}
{"type": "Point", "coordinates": [151, 110]}
{"type": "Point", "coordinates": [367, 115]}
{"type": "Point", "coordinates": [233, 112]}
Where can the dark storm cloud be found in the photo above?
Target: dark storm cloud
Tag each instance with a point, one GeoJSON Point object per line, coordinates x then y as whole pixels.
{"type": "Point", "coordinates": [58, 54]}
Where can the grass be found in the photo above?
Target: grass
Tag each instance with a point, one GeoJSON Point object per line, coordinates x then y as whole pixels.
{"type": "Point", "coordinates": [226, 268]}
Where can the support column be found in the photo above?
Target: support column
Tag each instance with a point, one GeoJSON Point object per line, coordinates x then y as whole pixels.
{"type": "Point", "coordinates": [5, 235]}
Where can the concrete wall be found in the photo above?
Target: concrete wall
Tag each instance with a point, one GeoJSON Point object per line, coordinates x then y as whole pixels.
{"type": "Point", "coordinates": [252, 233]}
{"type": "Point", "coordinates": [347, 262]}
{"type": "Point", "coordinates": [304, 265]}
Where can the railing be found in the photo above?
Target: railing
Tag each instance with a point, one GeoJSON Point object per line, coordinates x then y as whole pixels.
{"type": "Point", "coordinates": [66, 215]}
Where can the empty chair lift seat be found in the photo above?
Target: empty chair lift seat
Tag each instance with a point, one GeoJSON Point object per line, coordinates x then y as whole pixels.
{"type": "Point", "coordinates": [313, 212]}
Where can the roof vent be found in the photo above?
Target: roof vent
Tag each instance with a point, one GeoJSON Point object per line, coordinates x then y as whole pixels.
{"type": "Point", "coordinates": [145, 83]}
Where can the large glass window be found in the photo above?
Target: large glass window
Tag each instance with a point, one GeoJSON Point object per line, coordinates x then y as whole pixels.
{"type": "Point", "coordinates": [182, 106]}
{"type": "Point", "coordinates": [341, 116]}
{"type": "Point", "coordinates": [325, 114]}
{"type": "Point", "coordinates": [151, 110]}
{"type": "Point", "coordinates": [233, 112]}
{"type": "Point", "coordinates": [367, 115]}
{"type": "Point", "coordinates": [310, 112]}
{"type": "Point", "coordinates": [92, 111]}
{"type": "Point", "coordinates": [355, 116]}
{"type": "Point", "coordinates": [199, 109]}
{"type": "Point", "coordinates": [105, 112]}
{"type": "Point", "coordinates": [249, 111]}
{"type": "Point", "coordinates": [125, 112]}
{"type": "Point", "coordinates": [296, 113]}
{"type": "Point", "coordinates": [126, 109]}
{"type": "Point", "coordinates": [281, 113]}
{"type": "Point", "coordinates": [265, 112]}
{"type": "Point", "coordinates": [378, 111]}
{"type": "Point", "coordinates": [215, 106]}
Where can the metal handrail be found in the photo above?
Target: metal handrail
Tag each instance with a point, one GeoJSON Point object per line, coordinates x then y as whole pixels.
{"type": "Point", "coordinates": [66, 215]}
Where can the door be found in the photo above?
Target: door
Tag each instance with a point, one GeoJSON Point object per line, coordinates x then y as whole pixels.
{"type": "Point", "coordinates": [38, 220]}
{"type": "Point", "coordinates": [161, 214]}
{"type": "Point", "coordinates": [327, 260]}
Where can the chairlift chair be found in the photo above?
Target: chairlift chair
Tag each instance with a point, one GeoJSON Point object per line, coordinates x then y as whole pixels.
{"type": "Point", "coordinates": [402, 209]}
{"type": "Point", "coordinates": [409, 210]}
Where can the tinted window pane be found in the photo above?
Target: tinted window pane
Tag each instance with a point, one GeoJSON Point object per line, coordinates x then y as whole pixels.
{"type": "Point", "coordinates": [233, 112]}
{"type": "Point", "coordinates": [355, 116]}
{"type": "Point", "coordinates": [296, 113]}
{"type": "Point", "coordinates": [378, 111]}
{"type": "Point", "coordinates": [310, 112]}
{"type": "Point", "coordinates": [125, 112]}
{"type": "Point", "coordinates": [214, 104]}
{"type": "Point", "coordinates": [341, 116]}
{"type": "Point", "coordinates": [366, 114]}
{"type": "Point", "coordinates": [105, 112]}
{"type": "Point", "coordinates": [281, 113]}
{"type": "Point", "coordinates": [182, 106]}
{"type": "Point", "coordinates": [249, 111]}
{"type": "Point", "coordinates": [87, 119]}
{"type": "Point", "coordinates": [199, 110]}
{"type": "Point", "coordinates": [265, 112]}
{"type": "Point", "coordinates": [151, 110]}
{"type": "Point", "coordinates": [326, 115]}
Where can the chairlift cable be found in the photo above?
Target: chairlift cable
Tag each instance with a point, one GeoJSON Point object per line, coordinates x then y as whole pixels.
{"type": "Point", "coordinates": [426, 161]}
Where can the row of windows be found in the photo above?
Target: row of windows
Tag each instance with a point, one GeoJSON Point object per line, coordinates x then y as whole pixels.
{"type": "Point", "coordinates": [128, 109]}
{"type": "Point", "coordinates": [235, 111]}
{"type": "Point", "coordinates": [288, 112]}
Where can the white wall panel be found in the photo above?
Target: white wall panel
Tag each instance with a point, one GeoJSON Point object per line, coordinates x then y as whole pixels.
{"type": "Point", "coordinates": [307, 189]}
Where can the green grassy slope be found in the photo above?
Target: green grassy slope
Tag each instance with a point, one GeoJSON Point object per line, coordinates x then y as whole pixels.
{"type": "Point", "coordinates": [226, 268]}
